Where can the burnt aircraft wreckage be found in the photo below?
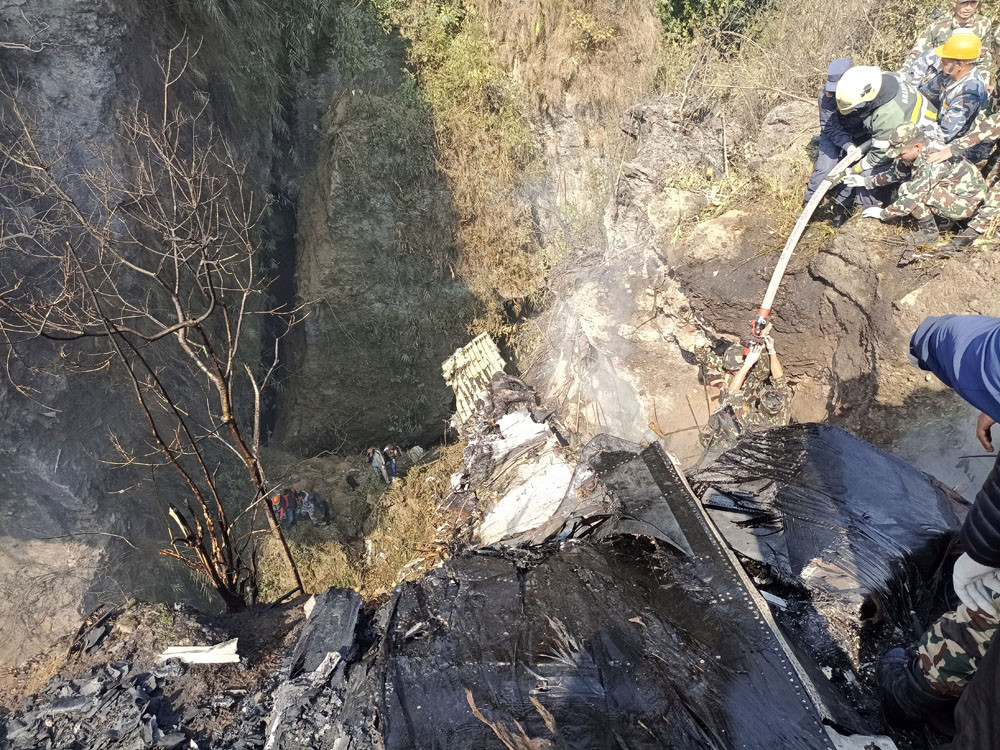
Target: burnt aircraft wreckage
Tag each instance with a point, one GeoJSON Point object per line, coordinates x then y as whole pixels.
{"type": "Point", "coordinates": [597, 598]}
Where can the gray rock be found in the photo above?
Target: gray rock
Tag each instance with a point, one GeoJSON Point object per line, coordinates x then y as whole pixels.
{"type": "Point", "coordinates": [330, 628]}
{"type": "Point", "coordinates": [169, 668]}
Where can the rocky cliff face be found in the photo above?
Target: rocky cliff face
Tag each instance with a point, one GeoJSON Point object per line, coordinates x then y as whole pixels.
{"type": "Point", "coordinates": [375, 268]}
{"type": "Point", "coordinates": [64, 514]}
{"type": "Point", "coordinates": [66, 56]}
{"type": "Point", "coordinates": [608, 355]}
{"type": "Point", "coordinates": [670, 270]}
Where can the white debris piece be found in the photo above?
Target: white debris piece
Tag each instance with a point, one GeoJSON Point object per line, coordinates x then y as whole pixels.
{"type": "Point", "coordinates": [532, 501]}
{"type": "Point", "coordinates": [859, 742]}
{"type": "Point", "coordinates": [308, 606]}
{"type": "Point", "coordinates": [519, 432]}
{"type": "Point", "coordinates": [220, 653]}
{"type": "Point", "coordinates": [777, 601]}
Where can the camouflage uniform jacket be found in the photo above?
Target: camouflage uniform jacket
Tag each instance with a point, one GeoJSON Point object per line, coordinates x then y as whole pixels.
{"type": "Point", "coordinates": [986, 130]}
{"type": "Point", "coordinates": [748, 412]}
{"type": "Point", "coordinates": [938, 32]}
{"type": "Point", "coordinates": [754, 380]}
{"type": "Point", "coordinates": [952, 188]}
{"type": "Point", "coordinates": [923, 69]}
{"type": "Point", "coordinates": [958, 102]}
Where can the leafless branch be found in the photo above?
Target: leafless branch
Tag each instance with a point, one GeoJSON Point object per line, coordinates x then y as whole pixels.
{"type": "Point", "coordinates": [152, 261]}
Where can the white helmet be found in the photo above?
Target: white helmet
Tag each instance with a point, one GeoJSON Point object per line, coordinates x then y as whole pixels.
{"type": "Point", "coordinates": [858, 85]}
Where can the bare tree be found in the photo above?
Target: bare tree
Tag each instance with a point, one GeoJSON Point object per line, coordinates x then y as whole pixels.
{"type": "Point", "coordinates": [148, 260]}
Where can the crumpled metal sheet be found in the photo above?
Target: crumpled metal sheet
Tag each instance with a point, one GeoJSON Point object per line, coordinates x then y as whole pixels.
{"type": "Point", "coordinates": [827, 511]}
{"type": "Point", "coordinates": [627, 643]}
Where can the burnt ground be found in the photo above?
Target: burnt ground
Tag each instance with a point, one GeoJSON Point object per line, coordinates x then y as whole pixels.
{"type": "Point", "coordinates": [136, 635]}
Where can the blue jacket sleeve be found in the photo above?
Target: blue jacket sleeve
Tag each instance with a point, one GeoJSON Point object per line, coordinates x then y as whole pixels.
{"type": "Point", "coordinates": [964, 352]}
{"type": "Point", "coordinates": [824, 111]}
{"type": "Point", "coordinates": [831, 123]}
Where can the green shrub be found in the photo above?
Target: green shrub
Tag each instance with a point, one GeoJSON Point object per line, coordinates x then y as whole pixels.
{"type": "Point", "coordinates": [685, 18]}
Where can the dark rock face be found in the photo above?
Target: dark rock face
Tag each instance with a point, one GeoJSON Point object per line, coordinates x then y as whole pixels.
{"type": "Point", "coordinates": [54, 427]}
{"type": "Point", "coordinates": [376, 268]}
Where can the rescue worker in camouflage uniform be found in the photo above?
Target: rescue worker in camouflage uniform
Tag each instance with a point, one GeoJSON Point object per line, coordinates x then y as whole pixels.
{"type": "Point", "coordinates": [756, 393]}
{"type": "Point", "coordinates": [883, 101]}
{"type": "Point", "coordinates": [964, 352]}
{"type": "Point", "coordinates": [954, 83]}
{"type": "Point", "coordinates": [975, 146]}
{"type": "Point", "coordinates": [964, 17]}
{"type": "Point", "coordinates": [952, 190]}
{"type": "Point", "coordinates": [768, 404]}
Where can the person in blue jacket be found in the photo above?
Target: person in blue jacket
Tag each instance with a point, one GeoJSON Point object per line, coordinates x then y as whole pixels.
{"type": "Point", "coordinates": [963, 351]}
{"type": "Point", "coordinates": [838, 134]}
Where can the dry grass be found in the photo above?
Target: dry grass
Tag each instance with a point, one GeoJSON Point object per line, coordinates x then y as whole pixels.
{"type": "Point", "coordinates": [30, 678]}
{"type": "Point", "coordinates": [406, 523]}
{"type": "Point", "coordinates": [602, 53]}
{"type": "Point", "coordinates": [487, 71]}
{"type": "Point", "coordinates": [783, 53]}
{"type": "Point", "coordinates": [403, 525]}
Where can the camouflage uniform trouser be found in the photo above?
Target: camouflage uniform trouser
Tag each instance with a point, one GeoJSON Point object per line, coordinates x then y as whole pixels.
{"type": "Point", "coordinates": [942, 202]}
{"type": "Point", "coordinates": [987, 220]}
{"type": "Point", "coordinates": [950, 651]}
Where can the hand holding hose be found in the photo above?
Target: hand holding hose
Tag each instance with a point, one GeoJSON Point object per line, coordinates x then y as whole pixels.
{"type": "Point", "coordinates": [853, 152]}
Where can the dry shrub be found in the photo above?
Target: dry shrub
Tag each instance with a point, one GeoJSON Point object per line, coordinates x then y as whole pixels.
{"type": "Point", "coordinates": [784, 51]}
{"type": "Point", "coordinates": [603, 54]}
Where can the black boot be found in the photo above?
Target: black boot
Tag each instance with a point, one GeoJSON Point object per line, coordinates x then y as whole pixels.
{"type": "Point", "coordinates": [840, 215]}
{"type": "Point", "coordinates": [926, 234]}
{"type": "Point", "coordinates": [908, 700]}
{"type": "Point", "coordinates": [961, 240]}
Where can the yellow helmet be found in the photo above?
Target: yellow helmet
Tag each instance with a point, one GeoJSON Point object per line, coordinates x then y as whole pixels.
{"type": "Point", "coordinates": [960, 46]}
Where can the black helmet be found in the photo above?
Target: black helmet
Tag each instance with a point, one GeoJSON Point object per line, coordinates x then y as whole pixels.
{"type": "Point", "coordinates": [733, 357]}
{"type": "Point", "coordinates": [771, 400]}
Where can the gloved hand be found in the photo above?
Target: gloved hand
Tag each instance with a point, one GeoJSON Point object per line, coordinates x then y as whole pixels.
{"type": "Point", "coordinates": [769, 343]}
{"type": "Point", "coordinates": [975, 583]}
{"type": "Point", "coordinates": [854, 181]}
{"type": "Point", "coordinates": [872, 212]}
{"type": "Point", "coordinates": [854, 152]}
{"type": "Point", "coordinates": [752, 356]}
